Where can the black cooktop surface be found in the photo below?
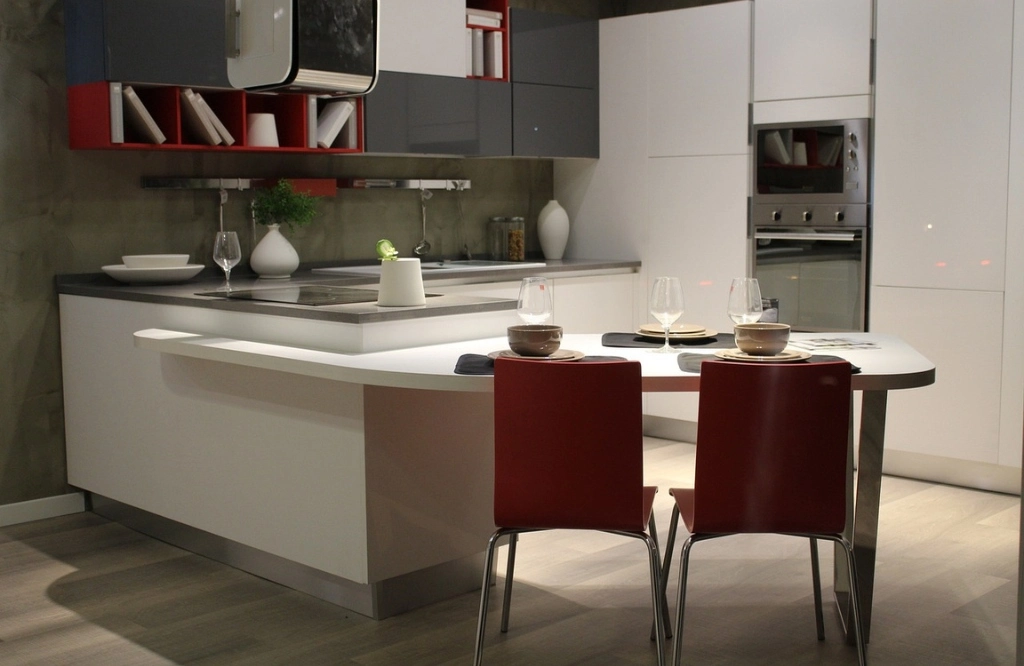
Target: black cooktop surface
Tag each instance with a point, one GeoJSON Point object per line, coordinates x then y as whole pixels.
{"type": "Point", "coordinates": [301, 295]}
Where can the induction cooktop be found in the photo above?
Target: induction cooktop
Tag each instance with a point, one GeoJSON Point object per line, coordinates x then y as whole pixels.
{"type": "Point", "coordinates": [303, 295]}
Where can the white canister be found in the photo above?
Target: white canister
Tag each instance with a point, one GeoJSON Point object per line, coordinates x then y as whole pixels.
{"type": "Point", "coordinates": [261, 130]}
{"type": "Point", "coordinates": [553, 230]}
{"type": "Point", "coordinates": [401, 283]}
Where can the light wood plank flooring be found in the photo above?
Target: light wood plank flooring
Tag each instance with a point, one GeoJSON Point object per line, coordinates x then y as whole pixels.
{"type": "Point", "coordinates": [82, 590]}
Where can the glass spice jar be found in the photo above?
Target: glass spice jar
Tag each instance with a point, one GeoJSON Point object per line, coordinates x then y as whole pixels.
{"type": "Point", "coordinates": [516, 239]}
{"type": "Point", "coordinates": [497, 238]}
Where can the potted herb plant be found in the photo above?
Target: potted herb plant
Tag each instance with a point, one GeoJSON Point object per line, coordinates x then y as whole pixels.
{"type": "Point", "coordinates": [274, 256]}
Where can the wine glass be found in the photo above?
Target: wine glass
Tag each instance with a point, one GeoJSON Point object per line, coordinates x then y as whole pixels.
{"type": "Point", "coordinates": [534, 300]}
{"type": "Point", "coordinates": [744, 300]}
{"type": "Point", "coordinates": [227, 253]}
{"type": "Point", "coordinates": [666, 305]}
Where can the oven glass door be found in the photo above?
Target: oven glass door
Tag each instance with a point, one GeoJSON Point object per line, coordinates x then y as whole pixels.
{"type": "Point", "coordinates": [817, 275]}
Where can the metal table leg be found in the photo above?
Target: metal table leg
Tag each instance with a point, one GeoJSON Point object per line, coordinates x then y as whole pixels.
{"type": "Point", "coordinates": [862, 514]}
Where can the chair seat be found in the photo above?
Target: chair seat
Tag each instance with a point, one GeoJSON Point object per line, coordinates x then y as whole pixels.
{"type": "Point", "coordinates": [649, 493]}
{"type": "Point", "coordinates": [684, 501]}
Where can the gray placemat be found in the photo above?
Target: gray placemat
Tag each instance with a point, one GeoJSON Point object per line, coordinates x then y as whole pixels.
{"type": "Point", "coordinates": [689, 362]}
{"type": "Point", "coordinates": [719, 341]}
{"type": "Point", "coordinates": [479, 364]}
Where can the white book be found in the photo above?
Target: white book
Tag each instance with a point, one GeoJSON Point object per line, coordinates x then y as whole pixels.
{"type": "Point", "coordinates": [484, 21]}
{"type": "Point", "coordinates": [775, 148]}
{"type": "Point", "coordinates": [332, 119]}
{"type": "Point", "coordinates": [350, 133]}
{"type": "Point", "coordinates": [485, 13]}
{"type": "Point", "coordinates": [469, 51]}
{"type": "Point", "coordinates": [197, 119]}
{"type": "Point", "coordinates": [116, 113]}
{"type": "Point", "coordinates": [494, 55]}
{"type": "Point", "coordinates": [140, 117]}
{"type": "Point", "coordinates": [222, 131]}
{"type": "Point", "coordinates": [478, 52]}
{"type": "Point", "coordinates": [311, 121]}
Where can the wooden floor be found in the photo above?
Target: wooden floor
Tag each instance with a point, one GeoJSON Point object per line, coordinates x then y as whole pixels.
{"type": "Point", "coordinates": [82, 590]}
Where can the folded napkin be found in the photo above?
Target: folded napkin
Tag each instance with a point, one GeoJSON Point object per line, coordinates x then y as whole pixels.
{"type": "Point", "coordinates": [691, 362]}
{"type": "Point", "coordinates": [718, 341]}
{"type": "Point", "coordinates": [479, 364]}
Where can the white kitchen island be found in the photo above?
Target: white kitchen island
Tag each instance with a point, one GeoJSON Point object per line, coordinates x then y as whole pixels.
{"type": "Point", "coordinates": [364, 478]}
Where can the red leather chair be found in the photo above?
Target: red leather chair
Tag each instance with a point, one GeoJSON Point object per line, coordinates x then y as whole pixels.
{"type": "Point", "coordinates": [772, 446]}
{"type": "Point", "coordinates": [568, 454]}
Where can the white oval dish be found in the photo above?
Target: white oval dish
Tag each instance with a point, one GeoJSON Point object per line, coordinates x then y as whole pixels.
{"type": "Point", "coordinates": [165, 275]}
{"type": "Point", "coordinates": [155, 260]}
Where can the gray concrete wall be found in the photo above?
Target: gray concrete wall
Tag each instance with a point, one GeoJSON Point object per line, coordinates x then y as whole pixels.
{"type": "Point", "coordinates": [65, 211]}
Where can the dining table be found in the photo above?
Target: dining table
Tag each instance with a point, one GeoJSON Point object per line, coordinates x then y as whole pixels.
{"type": "Point", "coordinates": [882, 363]}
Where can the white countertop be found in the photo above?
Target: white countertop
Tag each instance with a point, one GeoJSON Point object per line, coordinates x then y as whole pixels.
{"type": "Point", "coordinates": [893, 365]}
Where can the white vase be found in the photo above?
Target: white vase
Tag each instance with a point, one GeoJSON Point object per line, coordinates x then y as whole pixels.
{"type": "Point", "coordinates": [401, 283]}
{"type": "Point", "coordinates": [274, 257]}
{"type": "Point", "coordinates": [553, 230]}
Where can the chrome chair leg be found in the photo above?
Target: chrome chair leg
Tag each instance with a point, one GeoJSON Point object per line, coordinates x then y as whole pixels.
{"type": "Point", "coordinates": [684, 566]}
{"type": "Point", "coordinates": [862, 659]}
{"type": "Point", "coordinates": [657, 598]}
{"type": "Point", "coordinates": [485, 593]}
{"type": "Point", "coordinates": [652, 528]}
{"type": "Point", "coordinates": [510, 567]}
{"type": "Point", "coordinates": [816, 577]}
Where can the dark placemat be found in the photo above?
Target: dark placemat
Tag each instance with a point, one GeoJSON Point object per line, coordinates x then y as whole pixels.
{"type": "Point", "coordinates": [719, 341]}
{"type": "Point", "coordinates": [691, 362]}
{"type": "Point", "coordinates": [479, 364]}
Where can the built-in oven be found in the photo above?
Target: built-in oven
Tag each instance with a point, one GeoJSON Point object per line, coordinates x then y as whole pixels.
{"type": "Point", "coordinates": [810, 221]}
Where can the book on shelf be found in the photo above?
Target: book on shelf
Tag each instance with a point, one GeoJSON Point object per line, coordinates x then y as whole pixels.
{"type": "Point", "coordinates": [311, 121]}
{"type": "Point", "coordinates": [196, 118]}
{"type": "Point", "coordinates": [775, 148]}
{"type": "Point", "coordinates": [116, 113]}
{"type": "Point", "coordinates": [350, 133]}
{"type": "Point", "coordinates": [140, 117]}
{"type": "Point", "coordinates": [478, 52]}
{"type": "Point", "coordinates": [332, 119]}
{"type": "Point", "coordinates": [473, 12]}
{"type": "Point", "coordinates": [494, 55]}
{"type": "Point", "coordinates": [469, 51]}
{"type": "Point", "coordinates": [222, 130]}
{"type": "Point", "coordinates": [484, 21]}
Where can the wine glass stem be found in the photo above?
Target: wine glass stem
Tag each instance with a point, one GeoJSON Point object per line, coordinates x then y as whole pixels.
{"type": "Point", "coordinates": [667, 329]}
{"type": "Point", "coordinates": [227, 279]}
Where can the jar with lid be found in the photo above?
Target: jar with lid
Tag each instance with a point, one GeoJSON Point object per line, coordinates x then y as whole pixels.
{"type": "Point", "coordinates": [497, 238]}
{"type": "Point", "coordinates": [516, 245]}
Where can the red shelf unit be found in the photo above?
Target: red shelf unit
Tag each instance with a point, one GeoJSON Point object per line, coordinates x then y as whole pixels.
{"type": "Point", "coordinates": [89, 116]}
{"type": "Point", "coordinates": [500, 6]}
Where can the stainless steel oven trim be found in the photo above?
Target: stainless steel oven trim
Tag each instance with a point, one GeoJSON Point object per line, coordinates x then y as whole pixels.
{"type": "Point", "coordinates": [827, 236]}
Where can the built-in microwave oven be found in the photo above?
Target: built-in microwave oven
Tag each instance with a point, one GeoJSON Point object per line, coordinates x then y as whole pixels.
{"type": "Point", "coordinates": [821, 162]}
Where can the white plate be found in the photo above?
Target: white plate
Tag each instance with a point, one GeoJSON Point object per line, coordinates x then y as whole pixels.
{"type": "Point", "coordinates": [122, 273]}
{"type": "Point", "coordinates": [660, 335]}
{"type": "Point", "coordinates": [784, 356]}
{"type": "Point", "coordinates": [677, 329]}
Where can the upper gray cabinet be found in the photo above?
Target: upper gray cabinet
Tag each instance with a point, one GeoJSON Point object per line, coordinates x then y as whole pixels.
{"type": "Point", "coordinates": [438, 115]}
{"type": "Point", "coordinates": [554, 61]}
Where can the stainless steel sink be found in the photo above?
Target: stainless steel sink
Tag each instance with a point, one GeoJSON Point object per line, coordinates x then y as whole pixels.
{"type": "Point", "coordinates": [455, 266]}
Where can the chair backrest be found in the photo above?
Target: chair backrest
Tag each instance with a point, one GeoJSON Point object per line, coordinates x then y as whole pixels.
{"type": "Point", "coordinates": [568, 445]}
{"type": "Point", "coordinates": [772, 443]}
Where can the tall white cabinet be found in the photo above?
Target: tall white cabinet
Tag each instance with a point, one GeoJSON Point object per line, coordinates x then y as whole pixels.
{"type": "Point", "coordinates": [672, 183]}
{"type": "Point", "coordinates": [941, 242]}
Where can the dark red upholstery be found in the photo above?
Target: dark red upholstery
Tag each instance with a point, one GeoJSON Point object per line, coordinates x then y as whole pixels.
{"type": "Point", "coordinates": [771, 449]}
{"type": "Point", "coordinates": [568, 445]}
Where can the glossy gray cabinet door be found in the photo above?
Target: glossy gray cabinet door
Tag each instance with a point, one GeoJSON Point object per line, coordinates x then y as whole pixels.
{"type": "Point", "coordinates": [554, 121]}
{"type": "Point", "coordinates": [553, 49]}
{"type": "Point", "coordinates": [555, 74]}
{"type": "Point", "coordinates": [422, 114]}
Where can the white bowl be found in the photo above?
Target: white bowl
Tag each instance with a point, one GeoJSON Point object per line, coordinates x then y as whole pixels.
{"type": "Point", "coordinates": [154, 260]}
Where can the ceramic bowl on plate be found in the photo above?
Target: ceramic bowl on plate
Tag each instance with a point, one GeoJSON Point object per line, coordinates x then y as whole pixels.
{"type": "Point", "coordinates": [761, 339]}
{"type": "Point", "coordinates": [154, 260]}
{"type": "Point", "coordinates": [534, 339]}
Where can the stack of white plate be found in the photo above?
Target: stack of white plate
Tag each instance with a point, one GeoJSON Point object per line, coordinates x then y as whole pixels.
{"type": "Point", "coordinates": [153, 268]}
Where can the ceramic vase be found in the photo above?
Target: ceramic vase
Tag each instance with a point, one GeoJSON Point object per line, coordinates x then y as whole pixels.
{"type": "Point", "coordinates": [274, 257]}
{"type": "Point", "coordinates": [553, 230]}
{"type": "Point", "coordinates": [401, 283]}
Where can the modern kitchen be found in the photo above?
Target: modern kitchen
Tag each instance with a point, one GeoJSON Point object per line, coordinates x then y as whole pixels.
{"type": "Point", "coordinates": [318, 443]}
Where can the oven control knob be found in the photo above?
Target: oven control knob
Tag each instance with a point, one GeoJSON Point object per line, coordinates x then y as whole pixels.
{"type": "Point", "coordinates": [840, 216]}
{"type": "Point", "coordinates": [776, 215]}
{"type": "Point", "coordinates": [807, 216]}
{"type": "Point", "coordinates": [853, 138]}
{"type": "Point", "coordinates": [853, 154]}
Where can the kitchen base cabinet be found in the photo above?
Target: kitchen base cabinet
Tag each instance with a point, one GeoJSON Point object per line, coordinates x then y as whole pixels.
{"type": "Point", "coordinates": [951, 428]}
